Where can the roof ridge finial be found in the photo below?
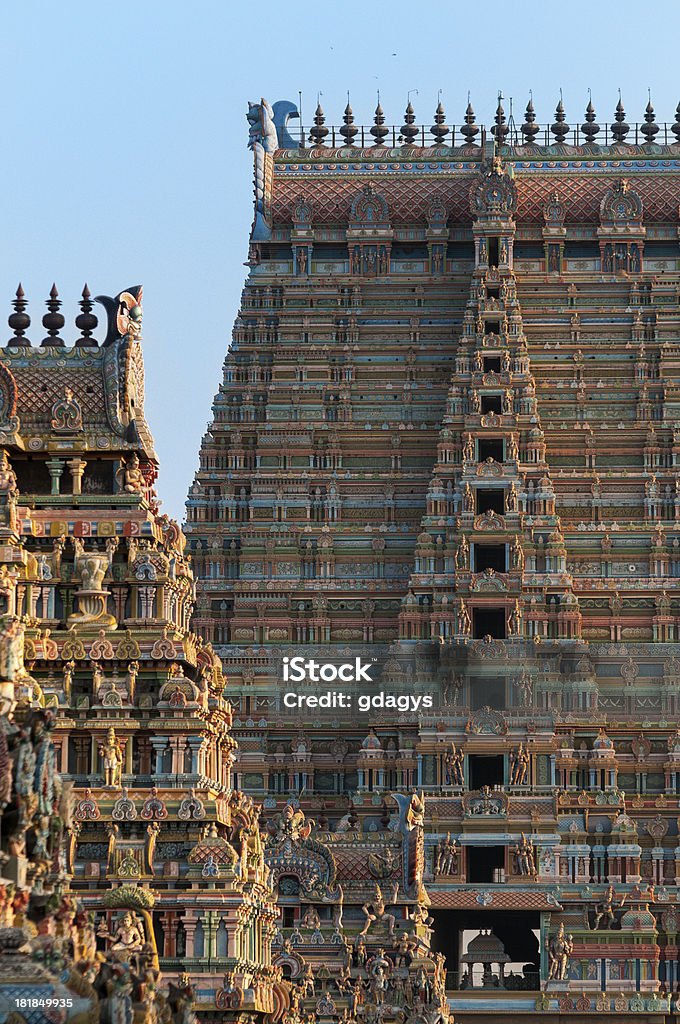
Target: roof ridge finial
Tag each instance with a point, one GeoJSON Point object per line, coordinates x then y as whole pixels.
{"type": "Point", "coordinates": [19, 321]}
{"type": "Point", "coordinates": [439, 129]}
{"type": "Point", "coordinates": [469, 129]}
{"type": "Point", "coordinates": [529, 129]}
{"type": "Point", "coordinates": [409, 130]}
{"type": "Point", "coordinates": [379, 131]}
{"type": "Point", "coordinates": [53, 321]}
{"type": "Point", "coordinates": [590, 128]}
{"type": "Point", "coordinates": [349, 129]}
{"type": "Point", "coordinates": [86, 321]}
{"type": "Point", "coordinates": [319, 132]}
{"type": "Point", "coordinates": [560, 129]}
{"type": "Point", "coordinates": [650, 128]}
{"type": "Point", "coordinates": [619, 128]}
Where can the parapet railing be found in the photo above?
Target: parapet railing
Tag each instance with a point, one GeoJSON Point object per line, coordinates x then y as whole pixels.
{"type": "Point", "coordinates": [422, 136]}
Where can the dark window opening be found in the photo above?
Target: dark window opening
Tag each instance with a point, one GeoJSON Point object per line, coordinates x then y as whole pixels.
{"type": "Point", "coordinates": [489, 556]}
{"type": "Point", "coordinates": [492, 364]}
{"type": "Point", "coordinates": [493, 327]}
{"type": "Point", "coordinates": [485, 863]}
{"type": "Point", "coordinates": [490, 448]}
{"type": "Point", "coordinates": [493, 293]}
{"type": "Point", "coordinates": [493, 500]}
{"type": "Point", "coordinates": [288, 917]}
{"type": "Point", "coordinates": [485, 770]}
{"type": "Point", "coordinates": [487, 692]}
{"type": "Point", "coordinates": [518, 931]}
{"type": "Point", "coordinates": [489, 622]}
{"type": "Point", "coordinates": [493, 252]}
{"type": "Point", "coordinates": [491, 403]}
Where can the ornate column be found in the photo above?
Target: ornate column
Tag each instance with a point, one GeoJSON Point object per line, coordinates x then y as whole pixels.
{"type": "Point", "coordinates": [55, 468]}
{"type": "Point", "coordinates": [77, 468]}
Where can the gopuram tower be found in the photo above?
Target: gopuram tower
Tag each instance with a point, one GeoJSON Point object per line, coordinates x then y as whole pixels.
{"type": "Point", "coordinates": [445, 446]}
{"type": "Point", "coordinates": [132, 878]}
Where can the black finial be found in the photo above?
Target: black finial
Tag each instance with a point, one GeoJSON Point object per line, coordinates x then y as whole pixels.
{"type": "Point", "coordinates": [319, 132]}
{"type": "Point", "coordinates": [650, 128]}
{"type": "Point", "coordinates": [500, 128]}
{"type": "Point", "coordinates": [86, 322]}
{"type": "Point", "coordinates": [469, 129]}
{"type": "Point", "coordinates": [378, 131]}
{"type": "Point", "coordinates": [529, 129]}
{"type": "Point", "coordinates": [619, 128]}
{"type": "Point", "coordinates": [19, 321]}
{"type": "Point", "coordinates": [560, 129]}
{"type": "Point", "coordinates": [348, 130]}
{"type": "Point", "coordinates": [676, 127]}
{"type": "Point", "coordinates": [53, 321]}
{"type": "Point", "coordinates": [439, 129]}
{"type": "Point", "coordinates": [590, 128]}
{"type": "Point", "coordinates": [408, 129]}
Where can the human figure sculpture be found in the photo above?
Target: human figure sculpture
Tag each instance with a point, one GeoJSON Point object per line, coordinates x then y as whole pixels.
{"type": "Point", "coordinates": [605, 911]}
{"type": "Point", "coordinates": [524, 852]}
{"type": "Point", "coordinates": [519, 766]}
{"type": "Point", "coordinates": [464, 620]}
{"type": "Point", "coordinates": [112, 754]}
{"type": "Point", "coordinates": [8, 478]}
{"type": "Point", "coordinates": [311, 919]}
{"type": "Point", "coordinates": [128, 938]}
{"type": "Point", "coordinates": [130, 477]}
{"type": "Point", "coordinates": [376, 910]}
{"type": "Point", "coordinates": [446, 858]}
{"type": "Point", "coordinates": [560, 949]}
{"type": "Point", "coordinates": [453, 767]}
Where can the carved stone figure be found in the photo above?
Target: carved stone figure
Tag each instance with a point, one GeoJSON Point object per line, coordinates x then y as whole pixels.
{"type": "Point", "coordinates": [130, 477]}
{"type": "Point", "coordinates": [376, 911]}
{"type": "Point", "coordinates": [111, 752]}
{"type": "Point", "coordinates": [454, 767]}
{"type": "Point", "coordinates": [560, 949]}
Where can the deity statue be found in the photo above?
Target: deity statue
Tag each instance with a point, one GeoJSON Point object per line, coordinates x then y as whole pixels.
{"type": "Point", "coordinates": [464, 620]}
{"type": "Point", "coordinates": [560, 948]}
{"type": "Point", "coordinates": [453, 767]}
{"type": "Point", "coordinates": [376, 910]}
{"type": "Point", "coordinates": [128, 937]}
{"type": "Point", "coordinates": [311, 919]}
{"type": "Point", "coordinates": [291, 824]}
{"type": "Point", "coordinates": [446, 856]}
{"type": "Point", "coordinates": [129, 476]}
{"type": "Point", "coordinates": [463, 554]}
{"type": "Point", "coordinates": [515, 620]}
{"type": "Point", "coordinates": [605, 910]}
{"type": "Point", "coordinates": [8, 478]}
{"type": "Point", "coordinates": [519, 766]}
{"type": "Point", "coordinates": [468, 499]}
{"type": "Point", "coordinates": [526, 861]}
{"type": "Point", "coordinates": [112, 754]}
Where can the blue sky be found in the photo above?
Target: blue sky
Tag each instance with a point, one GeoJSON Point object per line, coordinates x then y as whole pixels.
{"type": "Point", "coordinates": [124, 139]}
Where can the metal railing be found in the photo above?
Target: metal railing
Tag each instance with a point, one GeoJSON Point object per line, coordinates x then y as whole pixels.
{"type": "Point", "coordinates": [513, 137]}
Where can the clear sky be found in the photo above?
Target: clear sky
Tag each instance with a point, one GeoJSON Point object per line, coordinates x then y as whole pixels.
{"type": "Point", "coordinates": [124, 139]}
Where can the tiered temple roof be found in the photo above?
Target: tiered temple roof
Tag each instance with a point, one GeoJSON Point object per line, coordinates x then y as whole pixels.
{"type": "Point", "coordinates": [447, 435]}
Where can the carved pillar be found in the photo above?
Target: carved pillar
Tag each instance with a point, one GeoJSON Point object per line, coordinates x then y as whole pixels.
{"type": "Point", "coordinates": [77, 468]}
{"type": "Point", "coordinates": [55, 468]}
